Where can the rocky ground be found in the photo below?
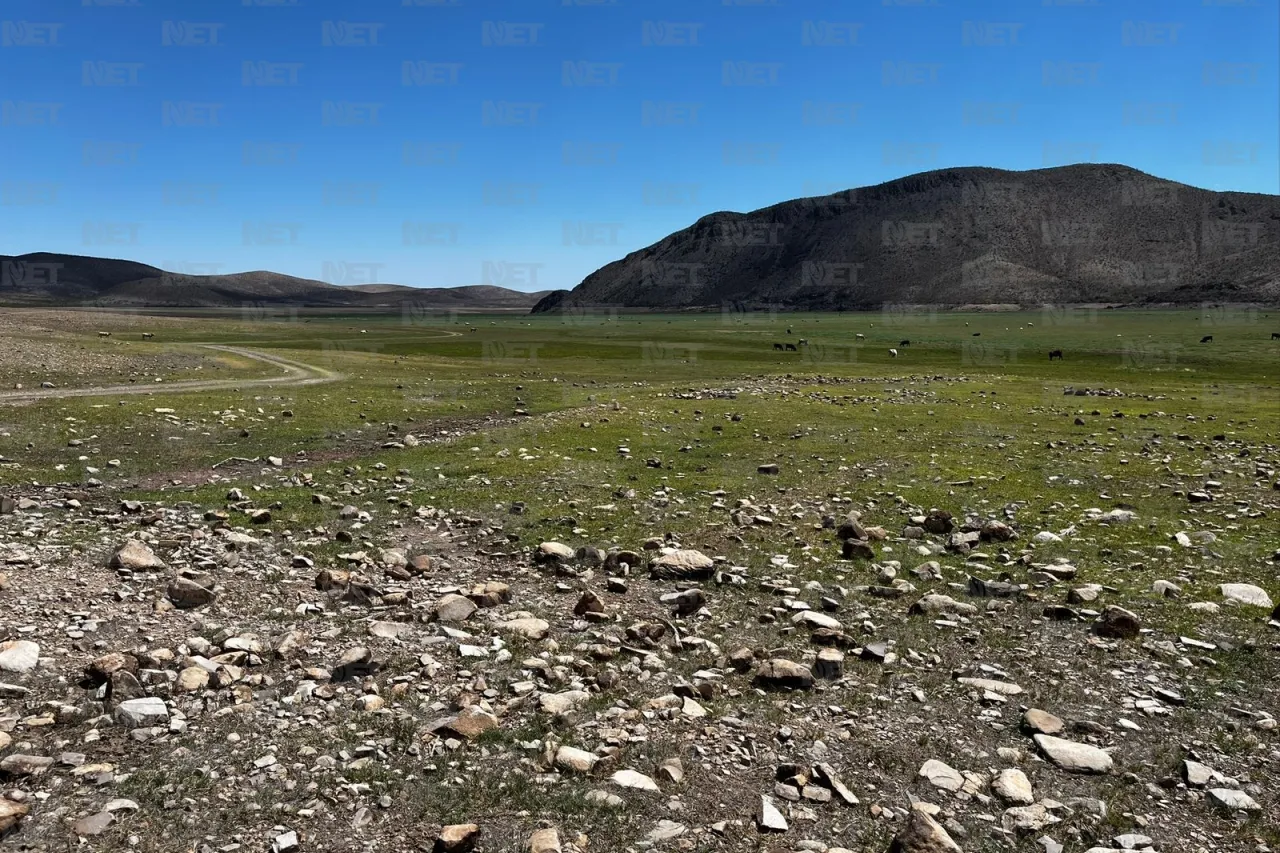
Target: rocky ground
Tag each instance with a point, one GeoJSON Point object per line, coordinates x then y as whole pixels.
{"type": "Point", "coordinates": [179, 676]}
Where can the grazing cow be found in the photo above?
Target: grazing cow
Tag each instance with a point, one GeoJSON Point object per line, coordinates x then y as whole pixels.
{"type": "Point", "coordinates": [859, 336]}
{"type": "Point", "coordinates": [1207, 339]}
{"type": "Point", "coordinates": [777, 346]}
{"type": "Point", "coordinates": [905, 344]}
{"type": "Point", "coordinates": [104, 334]}
{"type": "Point", "coordinates": [1275, 336]}
{"type": "Point", "coordinates": [977, 334]}
{"type": "Point", "coordinates": [788, 331]}
{"type": "Point", "coordinates": [792, 347]}
{"type": "Point", "coordinates": [1055, 354]}
{"type": "Point", "coordinates": [146, 336]}
{"type": "Point", "coordinates": [804, 342]}
{"type": "Point", "coordinates": [893, 353]}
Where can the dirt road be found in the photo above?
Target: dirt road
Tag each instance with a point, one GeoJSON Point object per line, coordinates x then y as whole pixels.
{"type": "Point", "coordinates": [296, 373]}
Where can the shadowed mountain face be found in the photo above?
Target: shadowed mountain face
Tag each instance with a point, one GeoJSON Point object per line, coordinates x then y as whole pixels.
{"type": "Point", "coordinates": [44, 278]}
{"type": "Point", "coordinates": [1073, 234]}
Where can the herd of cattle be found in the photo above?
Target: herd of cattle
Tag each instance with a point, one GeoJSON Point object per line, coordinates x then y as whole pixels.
{"type": "Point", "coordinates": [893, 351]}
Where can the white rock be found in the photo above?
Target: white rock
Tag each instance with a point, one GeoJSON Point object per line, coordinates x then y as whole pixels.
{"type": "Point", "coordinates": [1246, 593]}
{"type": "Point", "coordinates": [1072, 756]}
{"type": "Point", "coordinates": [1013, 786]}
{"type": "Point", "coordinates": [1230, 800]}
{"type": "Point", "coordinates": [633, 779]}
{"type": "Point", "coordinates": [19, 656]}
{"type": "Point", "coordinates": [941, 775]}
{"type": "Point", "coordinates": [137, 713]}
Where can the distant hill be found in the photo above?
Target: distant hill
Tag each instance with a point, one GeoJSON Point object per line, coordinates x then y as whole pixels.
{"type": "Point", "coordinates": [45, 278]}
{"type": "Point", "coordinates": [1088, 233]}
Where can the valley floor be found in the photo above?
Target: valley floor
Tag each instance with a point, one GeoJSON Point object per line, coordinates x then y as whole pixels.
{"type": "Point", "coordinates": [609, 582]}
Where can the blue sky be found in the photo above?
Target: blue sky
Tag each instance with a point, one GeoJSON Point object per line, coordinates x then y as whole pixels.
{"type": "Point", "coordinates": [528, 143]}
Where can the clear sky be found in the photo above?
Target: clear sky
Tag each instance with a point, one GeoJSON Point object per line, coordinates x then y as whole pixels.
{"type": "Point", "coordinates": [527, 143]}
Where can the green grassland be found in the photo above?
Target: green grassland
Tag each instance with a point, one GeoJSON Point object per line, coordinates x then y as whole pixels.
{"type": "Point", "coordinates": [947, 389]}
{"type": "Point", "coordinates": [536, 409]}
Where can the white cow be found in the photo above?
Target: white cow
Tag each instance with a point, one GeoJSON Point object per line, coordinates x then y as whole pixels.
{"type": "Point", "coordinates": [893, 352]}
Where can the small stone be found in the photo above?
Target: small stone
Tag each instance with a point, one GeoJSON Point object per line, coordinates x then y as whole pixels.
{"type": "Point", "coordinates": [1246, 593]}
{"type": "Point", "coordinates": [923, 834]}
{"type": "Point", "coordinates": [11, 813]}
{"type": "Point", "coordinates": [829, 664]}
{"type": "Point", "coordinates": [686, 564]}
{"type": "Point", "coordinates": [186, 593]}
{"type": "Point", "coordinates": [135, 556]}
{"type": "Point", "coordinates": [1074, 757]}
{"type": "Point", "coordinates": [633, 779]}
{"type": "Point", "coordinates": [545, 841]}
{"type": "Point", "coordinates": [19, 656]}
{"type": "Point", "coordinates": [782, 674]}
{"type": "Point", "coordinates": [769, 819]}
{"type": "Point", "coordinates": [1197, 775]}
{"type": "Point", "coordinates": [454, 609]}
{"type": "Point", "coordinates": [19, 764]}
{"type": "Point", "coordinates": [192, 679]}
{"type": "Point", "coordinates": [93, 824]}
{"type": "Point", "coordinates": [458, 838]}
{"type": "Point", "coordinates": [138, 713]}
{"type": "Point", "coordinates": [1035, 721]}
{"type": "Point", "coordinates": [941, 775]}
{"type": "Point", "coordinates": [1118, 623]}
{"type": "Point", "coordinates": [559, 704]}
{"type": "Point", "coordinates": [530, 628]}
{"type": "Point", "coordinates": [575, 760]}
{"type": "Point", "coordinates": [1013, 786]}
{"type": "Point", "coordinates": [1233, 801]}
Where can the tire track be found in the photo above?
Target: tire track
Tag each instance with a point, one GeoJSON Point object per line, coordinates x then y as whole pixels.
{"type": "Point", "coordinates": [296, 374]}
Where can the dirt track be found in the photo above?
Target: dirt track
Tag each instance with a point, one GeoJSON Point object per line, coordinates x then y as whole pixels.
{"type": "Point", "coordinates": [296, 373]}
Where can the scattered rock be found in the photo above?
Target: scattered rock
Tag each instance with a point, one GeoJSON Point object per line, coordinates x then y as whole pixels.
{"type": "Point", "coordinates": [135, 556]}
{"type": "Point", "coordinates": [1074, 757]}
{"type": "Point", "coordinates": [19, 656]}
{"type": "Point", "coordinates": [1246, 593]}
{"type": "Point", "coordinates": [458, 838]}
{"type": "Point", "coordinates": [782, 674]}
{"type": "Point", "coordinates": [923, 834]}
{"type": "Point", "coordinates": [1118, 623]}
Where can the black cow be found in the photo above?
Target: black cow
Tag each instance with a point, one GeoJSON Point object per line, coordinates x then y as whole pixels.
{"type": "Point", "coordinates": [777, 346]}
{"type": "Point", "coordinates": [977, 334]}
{"type": "Point", "coordinates": [905, 344]}
{"type": "Point", "coordinates": [804, 342]}
{"type": "Point", "coordinates": [792, 347]}
{"type": "Point", "coordinates": [788, 331]}
{"type": "Point", "coordinates": [1055, 354]}
{"type": "Point", "coordinates": [1207, 339]}
{"type": "Point", "coordinates": [1275, 336]}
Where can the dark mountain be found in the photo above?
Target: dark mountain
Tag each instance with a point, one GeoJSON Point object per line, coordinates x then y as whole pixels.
{"type": "Point", "coordinates": [1073, 234]}
{"type": "Point", "coordinates": [45, 278]}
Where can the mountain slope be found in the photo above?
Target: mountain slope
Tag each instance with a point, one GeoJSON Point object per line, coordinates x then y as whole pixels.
{"type": "Point", "coordinates": [1082, 233]}
{"type": "Point", "coordinates": [45, 278]}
